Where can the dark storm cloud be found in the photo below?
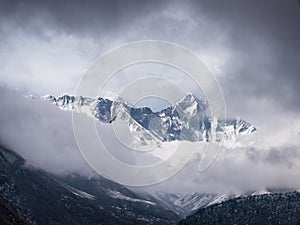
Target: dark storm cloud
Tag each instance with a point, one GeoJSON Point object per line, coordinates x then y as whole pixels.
{"type": "Point", "coordinates": [62, 38]}
{"type": "Point", "coordinates": [264, 37]}
{"type": "Point", "coordinates": [97, 18]}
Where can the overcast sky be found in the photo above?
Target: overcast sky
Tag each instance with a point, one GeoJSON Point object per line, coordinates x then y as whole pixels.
{"type": "Point", "coordinates": [251, 46]}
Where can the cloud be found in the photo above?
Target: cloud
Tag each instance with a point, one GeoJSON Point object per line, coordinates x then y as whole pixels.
{"type": "Point", "coordinates": [262, 41]}
{"type": "Point", "coordinates": [235, 171]}
{"type": "Point", "coordinates": [48, 47]}
{"type": "Point", "coordinates": [43, 135]}
{"type": "Point", "coordinates": [44, 66]}
{"type": "Point", "coordinates": [252, 47]}
{"type": "Point", "coordinates": [283, 156]}
{"type": "Point", "coordinates": [40, 133]}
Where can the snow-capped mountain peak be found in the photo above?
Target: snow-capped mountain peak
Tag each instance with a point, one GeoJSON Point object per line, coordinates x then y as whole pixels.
{"type": "Point", "coordinates": [185, 120]}
{"type": "Point", "coordinates": [191, 103]}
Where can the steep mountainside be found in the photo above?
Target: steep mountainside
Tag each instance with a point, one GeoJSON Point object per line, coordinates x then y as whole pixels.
{"type": "Point", "coordinates": [266, 209]}
{"type": "Point", "coordinates": [31, 196]}
{"type": "Point", "coordinates": [182, 204]}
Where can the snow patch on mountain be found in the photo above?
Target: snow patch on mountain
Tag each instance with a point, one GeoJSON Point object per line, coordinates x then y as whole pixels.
{"type": "Point", "coordinates": [261, 192]}
{"type": "Point", "coordinates": [219, 199]}
{"type": "Point", "coordinates": [79, 193]}
{"type": "Point", "coordinates": [116, 194]}
{"type": "Point", "coordinates": [194, 201]}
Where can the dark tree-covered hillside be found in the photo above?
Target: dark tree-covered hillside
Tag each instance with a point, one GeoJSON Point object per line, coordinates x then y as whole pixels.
{"type": "Point", "coordinates": [268, 209]}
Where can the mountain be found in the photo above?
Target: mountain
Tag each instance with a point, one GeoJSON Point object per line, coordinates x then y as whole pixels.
{"type": "Point", "coordinates": [263, 209]}
{"type": "Point", "coordinates": [31, 196]}
{"type": "Point", "coordinates": [183, 204]}
{"type": "Point", "coordinates": [185, 120]}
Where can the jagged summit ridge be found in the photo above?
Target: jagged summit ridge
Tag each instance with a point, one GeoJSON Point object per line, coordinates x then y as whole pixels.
{"type": "Point", "coordinates": [185, 120]}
